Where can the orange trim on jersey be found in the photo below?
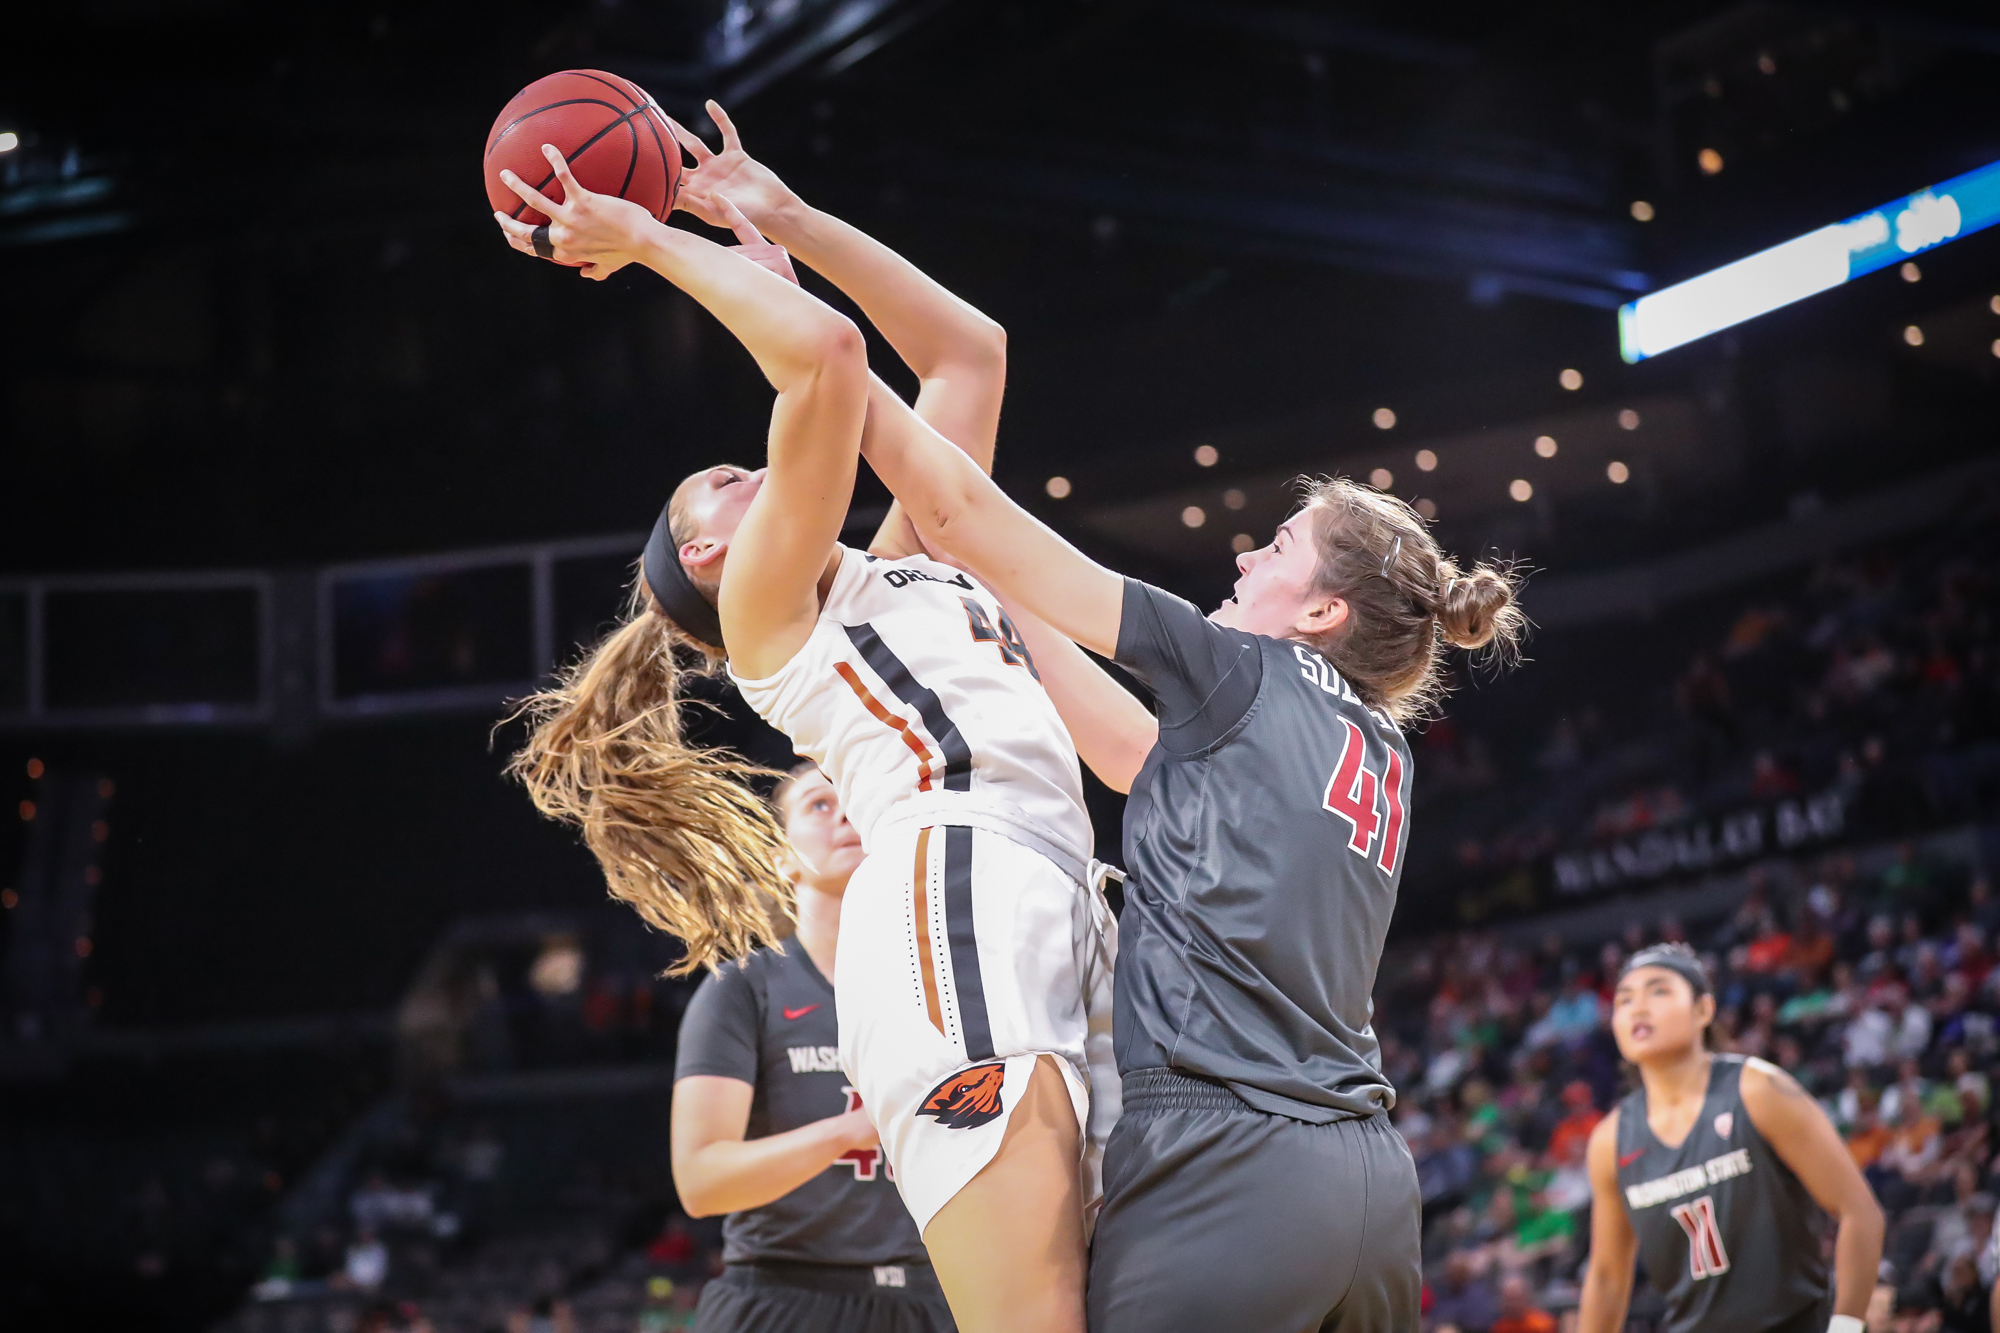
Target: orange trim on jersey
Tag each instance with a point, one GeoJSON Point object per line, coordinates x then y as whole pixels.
{"type": "Point", "coordinates": [887, 718]}
{"type": "Point", "coordinates": [922, 881]}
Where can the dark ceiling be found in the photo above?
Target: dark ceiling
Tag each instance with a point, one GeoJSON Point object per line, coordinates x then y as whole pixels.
{"type": "Point", "coordinates": [257, 313]}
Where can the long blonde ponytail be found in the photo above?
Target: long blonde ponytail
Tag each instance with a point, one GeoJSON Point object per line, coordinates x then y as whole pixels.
{"type": "Point", "coordinates": [680, 834]}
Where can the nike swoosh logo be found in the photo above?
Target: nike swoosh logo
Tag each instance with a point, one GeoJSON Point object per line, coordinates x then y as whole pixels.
{"type": "Point", "coordinates": [800, 1013]}
{"type": "Point", "coordinates": [1630, 1158]}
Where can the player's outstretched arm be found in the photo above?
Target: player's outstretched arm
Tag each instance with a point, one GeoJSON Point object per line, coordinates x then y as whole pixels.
{"type": "Point", "coordinates": [716, 1170]}
{"type": "Point", "coordinates": [1799, 1132]}
{"type": "Point", "coordinates": [958, 354]}
{"type": "Point", "coordinates": [812, 355]}
{"type": "Point", "coordinates": [1614, 1246]}
{"type": "Point", "coordinates": [1112, 730]}
{"type": "Point", "coordinates": [957, 509]}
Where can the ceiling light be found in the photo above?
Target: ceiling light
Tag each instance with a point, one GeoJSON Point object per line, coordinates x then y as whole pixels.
{"type": "Point", "coordinates": [1194, 516]}
{"type": "Point", "coordinates": [1234, 499]}
{"type": "Point", "coordinates": [1205, 455]}
{"type": "Point", "coordinates": [1242, 542]}
{"type": "Point", "coordinates": [1628, 419]}
{"type": "Point", "coordinates": [1996, 347]}
{"type": "Point", "coordinates": [1427, 507]}
{"type": "Point", "coordinates": [1571, 379]}
{"type": "Point", "coordinates": [1994, 305]}
{"type": "Point", "coordinates": [9, 141]}
{"type": "Point", "coordinates": [1618, 472]}
{"type": "Point", "coordinates": [1642, 211]}
{"type": "Point", "coordinates": [1426, 461]}
{"type": "Point", "coordinates": [1384, 419]}
{"type": "Point", "coordinates": [1058, 488]}
{"type": "Point", "coordinates": [1910, 271]}
{"type": "Point", "coordinates": [1709, 161]}
{"type": "Point", "coordinates": [1520, 490]}
{"type": "Point", "coordinates": [1765, 63]}
{"type": "Point", "coordinates": [1913, 335]}
{"type": "Point", "coordinates": [1545, 446]}
{"type": "Point", "coordinates": [1381, 479]}
{"type": "Point", "coordinates": [35, 768]}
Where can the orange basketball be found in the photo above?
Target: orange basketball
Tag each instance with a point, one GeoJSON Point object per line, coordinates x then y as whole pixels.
{"type": "Point", "coordinates": [610, 131]}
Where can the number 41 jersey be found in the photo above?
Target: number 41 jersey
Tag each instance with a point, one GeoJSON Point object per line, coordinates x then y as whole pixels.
{"type": "Point", "coordinates": [1728, 1235]}
{"type": "Point", "coordinates": [918, 699]}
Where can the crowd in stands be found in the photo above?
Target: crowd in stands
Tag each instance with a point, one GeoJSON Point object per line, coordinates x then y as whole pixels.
{"type": "Point", "coordinates": [1875, 677]}
{"type": "Point", "coordinates": [538, 1210]}
{"type": "Point", "coordinates": [1878, 989]}
{"type": "Point", "coordinates": [542, 994]}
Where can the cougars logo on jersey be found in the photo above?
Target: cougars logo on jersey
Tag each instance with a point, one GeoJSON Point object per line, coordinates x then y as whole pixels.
{"type": "Point", "coordinates": [967, 1099]}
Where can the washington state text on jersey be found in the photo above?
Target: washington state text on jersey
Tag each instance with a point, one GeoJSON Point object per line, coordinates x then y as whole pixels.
{"type": "Point", "coordinates": [1649, 1192]}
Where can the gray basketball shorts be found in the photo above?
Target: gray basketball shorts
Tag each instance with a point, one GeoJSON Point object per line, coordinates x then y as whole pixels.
{"type": "Point", "coordinates": [1220, 1216]}
{"type": "Point", "coordinates": [816, 1298]}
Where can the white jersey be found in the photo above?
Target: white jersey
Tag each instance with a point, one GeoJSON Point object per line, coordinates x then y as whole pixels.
{"type": "Point", "coordinates": [918, 699]}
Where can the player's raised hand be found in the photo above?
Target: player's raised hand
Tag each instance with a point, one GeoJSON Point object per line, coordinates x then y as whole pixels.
{"type": "Point", "coordinates": [598, 234]}
{"type": "Point", "coordinates": [751, 185]}
{"type": "Point", "coordinates": [750, 243]}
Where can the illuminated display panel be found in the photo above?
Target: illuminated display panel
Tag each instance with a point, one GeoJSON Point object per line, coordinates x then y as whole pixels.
{"type": "Point", "coordinates": [1807, 265]}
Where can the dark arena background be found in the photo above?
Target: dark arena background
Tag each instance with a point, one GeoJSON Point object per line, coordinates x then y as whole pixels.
{"type": "Point", "coordinates": [309, 1024]}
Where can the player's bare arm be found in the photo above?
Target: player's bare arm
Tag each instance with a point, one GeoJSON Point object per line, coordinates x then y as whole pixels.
{"type": "Point", "coordinates": [717, 1170]}
{"type": "Point", "coordinates": [959, 510]}
{"type": "Point", "coordinates": [1607, 1280]}
{"type": "Point", "coordinates": [811, 354]}
{"type": "Point", "coordinates": [1799, 1132]}
{"type": "Point", "coordinates": [958, 354]}
{"type": "Point", "coordinates": [1113, 730]}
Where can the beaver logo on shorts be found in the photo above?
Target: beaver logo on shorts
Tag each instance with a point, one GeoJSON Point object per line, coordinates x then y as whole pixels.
{"type": "Point", "coordinates": [967, 1099]}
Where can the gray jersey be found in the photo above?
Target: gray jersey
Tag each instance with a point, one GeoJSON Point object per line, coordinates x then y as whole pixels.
{"type": "Point", "coordinates": [1264, 842]}
{"type": "Point", "coordinates": [769, 1023]}
{"type": "Point", "coordinates": [1727, 1234]}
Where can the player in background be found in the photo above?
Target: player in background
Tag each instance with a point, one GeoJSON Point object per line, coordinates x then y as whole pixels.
{"type": "Point", "coordinates": [768, 1130]}
{"type": "Point", "coordinates": [1253, 1181]}
{"type": "Point", "coordinates": [973, 992]}
{"type": "Point", "coordinates": [1715, 1171]}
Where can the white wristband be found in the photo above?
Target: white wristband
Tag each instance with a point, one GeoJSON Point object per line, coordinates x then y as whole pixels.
{"type": "Point", "coordinates": [1845, 1323]}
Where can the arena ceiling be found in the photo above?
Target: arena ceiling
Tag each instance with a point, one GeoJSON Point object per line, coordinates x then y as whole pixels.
{"type": "Point", "coordinates": [258, 314]}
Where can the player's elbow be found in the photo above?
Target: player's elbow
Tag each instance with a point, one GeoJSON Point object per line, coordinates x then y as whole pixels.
{"type": "Point", "coordinates": [984, 344]}
{"type": "Point", "coordinates": [696, 1200]}
{"type": "Point", "coordinates": [1862, 1212]}
{"type": "Point", "coordinates": [835, 346]}
{"type": "Point", "coordinates": [952, 510]}
{"type": "Point", "coordinates": [972, 346]}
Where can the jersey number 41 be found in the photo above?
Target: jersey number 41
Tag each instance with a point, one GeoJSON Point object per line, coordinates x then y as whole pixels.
{"type": "Point", "coordinates": [1356, 793]}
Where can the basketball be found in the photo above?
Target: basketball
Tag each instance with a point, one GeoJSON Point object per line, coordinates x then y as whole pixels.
{"type": "Point", "coordinates": [610, 131]}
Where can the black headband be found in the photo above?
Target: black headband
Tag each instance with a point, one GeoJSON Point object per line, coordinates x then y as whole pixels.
{"type": "Point", "coordinates": [674, 590]}
{"type": "Point", "coordinates": [1682, 961]}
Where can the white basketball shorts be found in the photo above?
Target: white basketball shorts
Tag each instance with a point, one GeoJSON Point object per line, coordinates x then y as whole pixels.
{"type": "Point", "coordinates": [963, 957]}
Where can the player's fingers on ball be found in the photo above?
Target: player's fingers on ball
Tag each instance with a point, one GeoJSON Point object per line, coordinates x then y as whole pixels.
{"type": "Point", "coordinates": [571, 190]}
{"type": "Point", "coordinates": [731, 140]}
{"type": "Point", "coordinates": [690, 141]}
{"type": "Point", "coordinates": [534, 198]}
{"type": "Point", "coordinates": [519, 235]}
